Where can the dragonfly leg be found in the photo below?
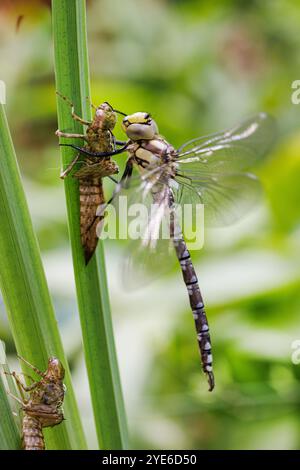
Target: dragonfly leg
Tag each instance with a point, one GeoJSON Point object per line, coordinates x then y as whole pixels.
{"type": "Point", "coordinates": [35, 369]}
{"type": "Point", "coordinates": [65, 172]}
{"type": "Point", "coordinates": [22, 386]}
{"type": "Point", "coordinates": [28, 376]}
{"type": "Point", "coordinates": [74, 115]}
{"type": "Point", "coordinates": [116, 142]}
{"type": "Point", "coordinates": [113, 179]}
{"type": "Point", "coordinates": [14, 397]}
{"type": "Point", "coordinates": [120, 185]}
{"type": "Point", "coordinates": [123, 181]}
{"type": "Point", "coordinates": [14, 375]}
{"type": "Point", "coordinates": [90, 103]}
{"type": "Point", "coordinates": [96, 154]}
{"type": "Point", "coordinates": [68, 135]}
{"type": "Point", "coordinates": [120, 142]}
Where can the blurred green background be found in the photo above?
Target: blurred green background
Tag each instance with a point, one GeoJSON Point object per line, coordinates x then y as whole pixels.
{"type": "Point", "coordinates": [198, 67]}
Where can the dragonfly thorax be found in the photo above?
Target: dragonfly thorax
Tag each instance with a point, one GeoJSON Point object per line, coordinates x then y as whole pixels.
{"type": "Point", "coordinates": [152, 153]}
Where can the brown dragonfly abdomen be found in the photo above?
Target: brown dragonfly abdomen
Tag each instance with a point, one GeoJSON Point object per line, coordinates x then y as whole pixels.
{"type": "Point", "coordinates": [32, 435]}
{"type": "Point", "coordinates": [91, 197]}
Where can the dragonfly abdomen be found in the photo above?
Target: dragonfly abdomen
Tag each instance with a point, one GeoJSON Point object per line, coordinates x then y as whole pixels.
{"type": "Point", "coordinates": [32, 435]}
{"type": "Point", "coordinates": [91, 196]}
{"type": "Point", "coordinates": [197, 306]}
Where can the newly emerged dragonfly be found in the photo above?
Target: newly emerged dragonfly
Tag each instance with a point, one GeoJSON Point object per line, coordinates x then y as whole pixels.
{"type": "Point", "coordinates": [43, 405]}
{"type": "Point", "coordinates": [210, 170]}
{"type": "Point", "coordinates": [98, 138]}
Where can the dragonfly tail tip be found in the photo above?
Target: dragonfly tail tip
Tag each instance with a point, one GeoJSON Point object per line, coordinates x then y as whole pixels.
{"type": "Point", "coordinates": [211, 381]}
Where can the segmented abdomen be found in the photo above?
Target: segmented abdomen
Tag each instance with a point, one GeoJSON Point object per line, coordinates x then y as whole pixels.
{"type": "Point", "coordinates": [91, 196]}
{"type": "Point", "coordinates": [32, 435]}
{"type": "Point", "coordinates": [197, 306]}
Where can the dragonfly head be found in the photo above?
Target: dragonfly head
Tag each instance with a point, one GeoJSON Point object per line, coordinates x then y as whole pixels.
{"type": "Point", "coordinates": [55, 369]}
{"type": "Point", "coordinates": [140, 126]}
{"type": "Point", "coordinates": [106, 116]}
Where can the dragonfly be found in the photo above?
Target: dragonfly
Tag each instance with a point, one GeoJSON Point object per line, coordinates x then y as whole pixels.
{"type": "Point", "coordinates": [212, 170]}
{"type": "Point", "coordinates": [98, 138]}
{"type": "Point", "coordinates": [43, 406]}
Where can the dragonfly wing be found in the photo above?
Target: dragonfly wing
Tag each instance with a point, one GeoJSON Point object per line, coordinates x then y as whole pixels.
{"type": "Point", "coordinates": [226, 197]}
{"type": "Point", "coordinates": [231, 151]}
{"type": "Point", "coordinates": [151, 254]}
{"type": "Point", "coordinates": [149, 251]}
{"type": "Point", "coordinates": [143, 264]}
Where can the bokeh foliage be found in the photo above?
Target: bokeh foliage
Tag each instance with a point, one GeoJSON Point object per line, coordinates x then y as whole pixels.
{"type": "Point", "coordinates": [197, 67]}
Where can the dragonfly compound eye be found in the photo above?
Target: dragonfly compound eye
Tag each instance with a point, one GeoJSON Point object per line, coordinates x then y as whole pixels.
{"type": "Point", "coordinates": [139, 126]}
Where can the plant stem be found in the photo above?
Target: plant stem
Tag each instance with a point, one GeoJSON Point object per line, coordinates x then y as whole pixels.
{"type": "Point", "coordinates": [25, 292]}
{"type": "Point", "coordinates": [9, 433]}
{"type": "Point", "coordinates": [72, 81]}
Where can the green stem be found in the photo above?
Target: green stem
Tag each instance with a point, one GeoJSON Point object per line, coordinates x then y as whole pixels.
{"type": "Point", "coordinates": [72, 80]}
{"type": "Point", "coordinates": [25, 292]}
{"type": "Point", "coordinates": [9, 433]}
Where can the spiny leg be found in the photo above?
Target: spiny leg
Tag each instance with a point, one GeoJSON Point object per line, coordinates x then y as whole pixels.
{"type": "Point", "coordinates": [116, 142]}
{"type": "Point", "coordinates": [36, 370]}
{"type": "Point", "coordinates": [69, 135]}
{"type": "Point", "coordinates": [65, 172]}
{"type": "Point", "coordinates": [90, 103]}
{"type": "Point", "coordinates": [74, 115]}
{"type": "Point", "coordinates": [18, 381]}
{"type": "Point", "coordinates": [21, 373]}
{"type": "Point", "coordinates": [20, 384]}
{"type": "Point", "coordinates": [113, 179]}
{"type": "Point", "coordinates": [14, 397]}
{"type": "Point", "coordinates": [28, 376]}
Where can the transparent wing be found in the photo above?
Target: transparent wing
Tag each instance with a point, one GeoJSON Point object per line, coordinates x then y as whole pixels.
{"type": "Point", "coordinates": [142, 210]}
{"type": "Point", "coordinates": [149, 258]}
{"type": "Point", "coordinates": [226, 197]}
{"type": "Point", "coordinates": [230, 151]}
